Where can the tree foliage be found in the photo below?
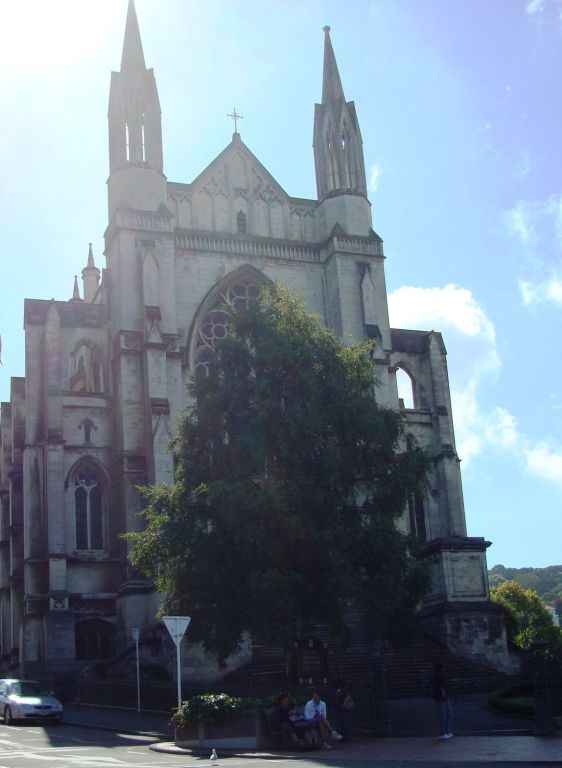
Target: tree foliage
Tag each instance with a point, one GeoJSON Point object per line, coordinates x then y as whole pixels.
{"type": "Point", "coordinates": [547, 582]}
{"type": "Point", "coordinates": [289, 482]}
{"type": "Point", "coordinates": [527, 620]}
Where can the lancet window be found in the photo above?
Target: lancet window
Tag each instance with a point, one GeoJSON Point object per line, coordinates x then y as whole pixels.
{"type": "Point", "coordinates": [127, 143]}
{"type": "Point", "coordinates": [143, 143]}
{"type": "Point", "coordinates": [88, 489]}
{"type": "Point", "coordinates": [86, 369]}
{"type": "Point", "coordinates": [242, 223]}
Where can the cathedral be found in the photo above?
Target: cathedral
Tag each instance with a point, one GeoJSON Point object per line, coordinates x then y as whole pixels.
{"type": "Point", "coordinates": [106, 375]}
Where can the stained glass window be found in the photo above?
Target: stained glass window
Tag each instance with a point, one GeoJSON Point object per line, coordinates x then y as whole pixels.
{"type": "Point", "coordinates": [214, 327]}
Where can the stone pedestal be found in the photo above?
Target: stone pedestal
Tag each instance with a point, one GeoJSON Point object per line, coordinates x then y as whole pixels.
{"type": "Point", "coordinates": [457, 609]}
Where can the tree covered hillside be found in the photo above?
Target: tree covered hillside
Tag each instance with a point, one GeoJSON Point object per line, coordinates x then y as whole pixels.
{"type": "Point", "coordinates": [547, 582]}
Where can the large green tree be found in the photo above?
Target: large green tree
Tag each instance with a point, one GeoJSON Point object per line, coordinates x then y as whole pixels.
{"type": "Point", "coordinates": [527, 620]}
{"type": "Point", "coordinates": [289, 482]}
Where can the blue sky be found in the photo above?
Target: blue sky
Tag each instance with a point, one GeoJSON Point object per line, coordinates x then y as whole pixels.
{"type": "Point", "coordinates": [460, 110]}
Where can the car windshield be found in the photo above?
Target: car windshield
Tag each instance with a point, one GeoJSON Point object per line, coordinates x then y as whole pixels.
{"type": "Point", "coordinates": [26, 689]}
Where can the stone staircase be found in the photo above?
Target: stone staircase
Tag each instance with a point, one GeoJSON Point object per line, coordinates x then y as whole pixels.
{"type": "Point", "coordinates": [400, 672]}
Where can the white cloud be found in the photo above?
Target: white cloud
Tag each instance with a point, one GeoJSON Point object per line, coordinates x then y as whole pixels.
{"type": "Point", "coordinates": [549, 290]}
{"type": "Point", "coordinates": [375, 177]}
{"type": "Point", "coordinates": [537, 226]}
{"type": "Point", "coordinates": [451, 306]}
{"type": "Point", "coordinates": [501, 429]}
{"type": "Point", "coordinates": [536, 222]}
{"type": "Point", "coordinates": [471, 336]}
{"type": "Point", "coordinates": [519, 223]}
{"type": "Point", "coordinates": [544, 462]}
{"type": "Point", "coordinates": [534, 6]}
{"type": "Point", "coordinates": [473, 360]}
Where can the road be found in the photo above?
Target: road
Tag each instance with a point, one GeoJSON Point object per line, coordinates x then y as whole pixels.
{"type": "Point", "coordinates": [30, 746]}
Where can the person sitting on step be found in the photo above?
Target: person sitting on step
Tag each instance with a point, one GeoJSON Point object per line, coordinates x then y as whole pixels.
{"type": "Point", "coordinates": [315, 712]}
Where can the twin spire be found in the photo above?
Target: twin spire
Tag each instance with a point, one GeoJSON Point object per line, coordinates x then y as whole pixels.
{"type": "Point", "coordinates": [132, 57]}
{"type": "Point", "coordinates": [135, 127]}
{"type": "Point", "coordinates": [332, 90]}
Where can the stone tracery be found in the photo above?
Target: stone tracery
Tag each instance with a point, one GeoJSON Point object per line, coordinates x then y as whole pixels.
{"type": "Point", "coordinates": [238, 295]}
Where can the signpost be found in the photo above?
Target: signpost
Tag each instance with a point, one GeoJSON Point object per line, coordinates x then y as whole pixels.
{"type": "Point", "coordinates": [176, 626]}
{"type": "Point", "coordinates": [136, 635]}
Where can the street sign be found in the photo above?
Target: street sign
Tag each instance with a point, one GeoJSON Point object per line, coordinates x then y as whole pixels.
{"type": "Point", "coordinates": [176, 626]}
{"type": "Point", "coordinates": [135, 631]}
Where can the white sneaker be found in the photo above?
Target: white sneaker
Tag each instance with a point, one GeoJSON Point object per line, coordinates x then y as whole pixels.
{"type": "Point", "coordinates": [450, 735]}
{"type": "Point", "coordinates": [337, 736]}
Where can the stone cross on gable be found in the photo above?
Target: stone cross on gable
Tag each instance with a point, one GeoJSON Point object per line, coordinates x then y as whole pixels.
{"type": "Point", "coordinates": [235, 117]}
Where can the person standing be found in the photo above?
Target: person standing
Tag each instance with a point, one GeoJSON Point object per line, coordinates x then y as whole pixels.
{"type": "Point", "coordinates": [345, 705]}
{"type": "Point", "coordinates": [443, 701]}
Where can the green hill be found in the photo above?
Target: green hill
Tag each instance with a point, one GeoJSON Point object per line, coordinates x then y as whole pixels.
{"type": "Point", "coordinates": [547, 582]}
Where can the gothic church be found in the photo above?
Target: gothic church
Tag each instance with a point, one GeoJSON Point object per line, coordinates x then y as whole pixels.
{"type": "Point", "coordinates": [106, 374]}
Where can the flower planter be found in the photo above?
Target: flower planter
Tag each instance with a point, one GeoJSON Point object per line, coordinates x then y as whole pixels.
{"type": "Point", "coordinates": [238, 731]}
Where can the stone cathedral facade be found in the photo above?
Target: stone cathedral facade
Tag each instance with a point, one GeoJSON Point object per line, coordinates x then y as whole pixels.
{"type": "Point", "coordinates": [106, 374]}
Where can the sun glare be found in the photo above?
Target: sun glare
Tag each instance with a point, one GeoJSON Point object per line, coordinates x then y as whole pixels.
{"type": "Point", "coordinates": [40, 36]}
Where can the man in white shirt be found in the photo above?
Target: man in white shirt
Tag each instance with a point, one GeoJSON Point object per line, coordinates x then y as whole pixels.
{"type": "Point", "coordinates": [315, 712]}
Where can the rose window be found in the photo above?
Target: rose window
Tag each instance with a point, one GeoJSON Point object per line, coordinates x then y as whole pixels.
{"type": "Point", "coordinates": [215, 324]}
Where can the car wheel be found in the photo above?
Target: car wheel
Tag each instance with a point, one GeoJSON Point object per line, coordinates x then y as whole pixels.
{"type": "Point", "coordinates": [8, 719]}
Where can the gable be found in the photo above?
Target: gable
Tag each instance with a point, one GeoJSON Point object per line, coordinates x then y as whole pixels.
{"type": "Point", "coordinates": [237, 194]}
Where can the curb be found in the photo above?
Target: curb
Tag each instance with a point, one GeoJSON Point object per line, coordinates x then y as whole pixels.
{"type": "Point", "coordinates": [170, 748]}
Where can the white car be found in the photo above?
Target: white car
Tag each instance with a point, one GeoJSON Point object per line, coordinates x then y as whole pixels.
{"type": "Point", "coordinates": [26, 700]}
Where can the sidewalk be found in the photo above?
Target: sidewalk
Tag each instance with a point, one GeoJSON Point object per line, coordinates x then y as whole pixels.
{"type": "Point", "coordinates": [461, 749]}
{"type": "Point", "coordinates": [121, 720]}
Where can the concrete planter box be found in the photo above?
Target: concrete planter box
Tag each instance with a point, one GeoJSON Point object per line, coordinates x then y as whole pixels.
{"type": "Point", "coordinates": [233, 733]}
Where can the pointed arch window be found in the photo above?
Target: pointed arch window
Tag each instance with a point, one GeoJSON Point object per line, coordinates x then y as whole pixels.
{"type": "Point", "coordinates": [86, 368]}
{"type": "Point", "coordinates": [242, 223]}
{"type": "Point", "coordinates": [416, 513]}
{"type": "Point", "coordinates": [239, 295]}
{"type": "Point", "coordinates": [406, 389]}
{"type": "Point", "coordinates": [88, 489]}
{"type": "Point", "coordinates": [143, 142]}
{"type": "Point", "coordinates": [127, 143]}
{"type": "Point", "coordinates": [333, 176]}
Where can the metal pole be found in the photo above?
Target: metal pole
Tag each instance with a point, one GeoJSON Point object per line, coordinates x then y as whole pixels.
{"type": "Point", "coordinates": [178, 657]}
{"type": "Point", "coordinates": [138, 677]}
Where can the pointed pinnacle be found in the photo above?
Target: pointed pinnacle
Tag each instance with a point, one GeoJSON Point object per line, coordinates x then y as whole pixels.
{"type": "Point", "coordinates": [332, 89]}
{"type": "Point", "coordinates": [133, 56]}
{"type": "Point", "coordinates": [91, 262]}
{"type": "Point", "coordinates": [76, 291]}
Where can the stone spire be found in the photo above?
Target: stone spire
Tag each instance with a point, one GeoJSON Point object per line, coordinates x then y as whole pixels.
{"type": "Point", "coordinates": [136, 178]}
{"type": "Point", "coordinates": [91, 262]}
{"type": "Point", "coordinates": [90, 277]}
{"type": "Point", "coordinates": [76, 291]}
{"type": "Point", "coordinates": [332, 90]}
{"type": "Point", "coordinates": [133, 56]}
{"type": "Point", "coordinates": [338, 148]}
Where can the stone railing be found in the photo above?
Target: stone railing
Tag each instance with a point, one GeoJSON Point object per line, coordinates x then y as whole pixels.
{"type": "Point", "coordinates": [212, 242]}
{"type": "Point", "coordinates": [246, 246]}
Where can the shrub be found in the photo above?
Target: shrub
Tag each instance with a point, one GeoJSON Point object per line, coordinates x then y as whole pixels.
{"type": "Point", "coordinates": [516, 700]}
{"type": "Point", "coordinates": [211, 708]}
